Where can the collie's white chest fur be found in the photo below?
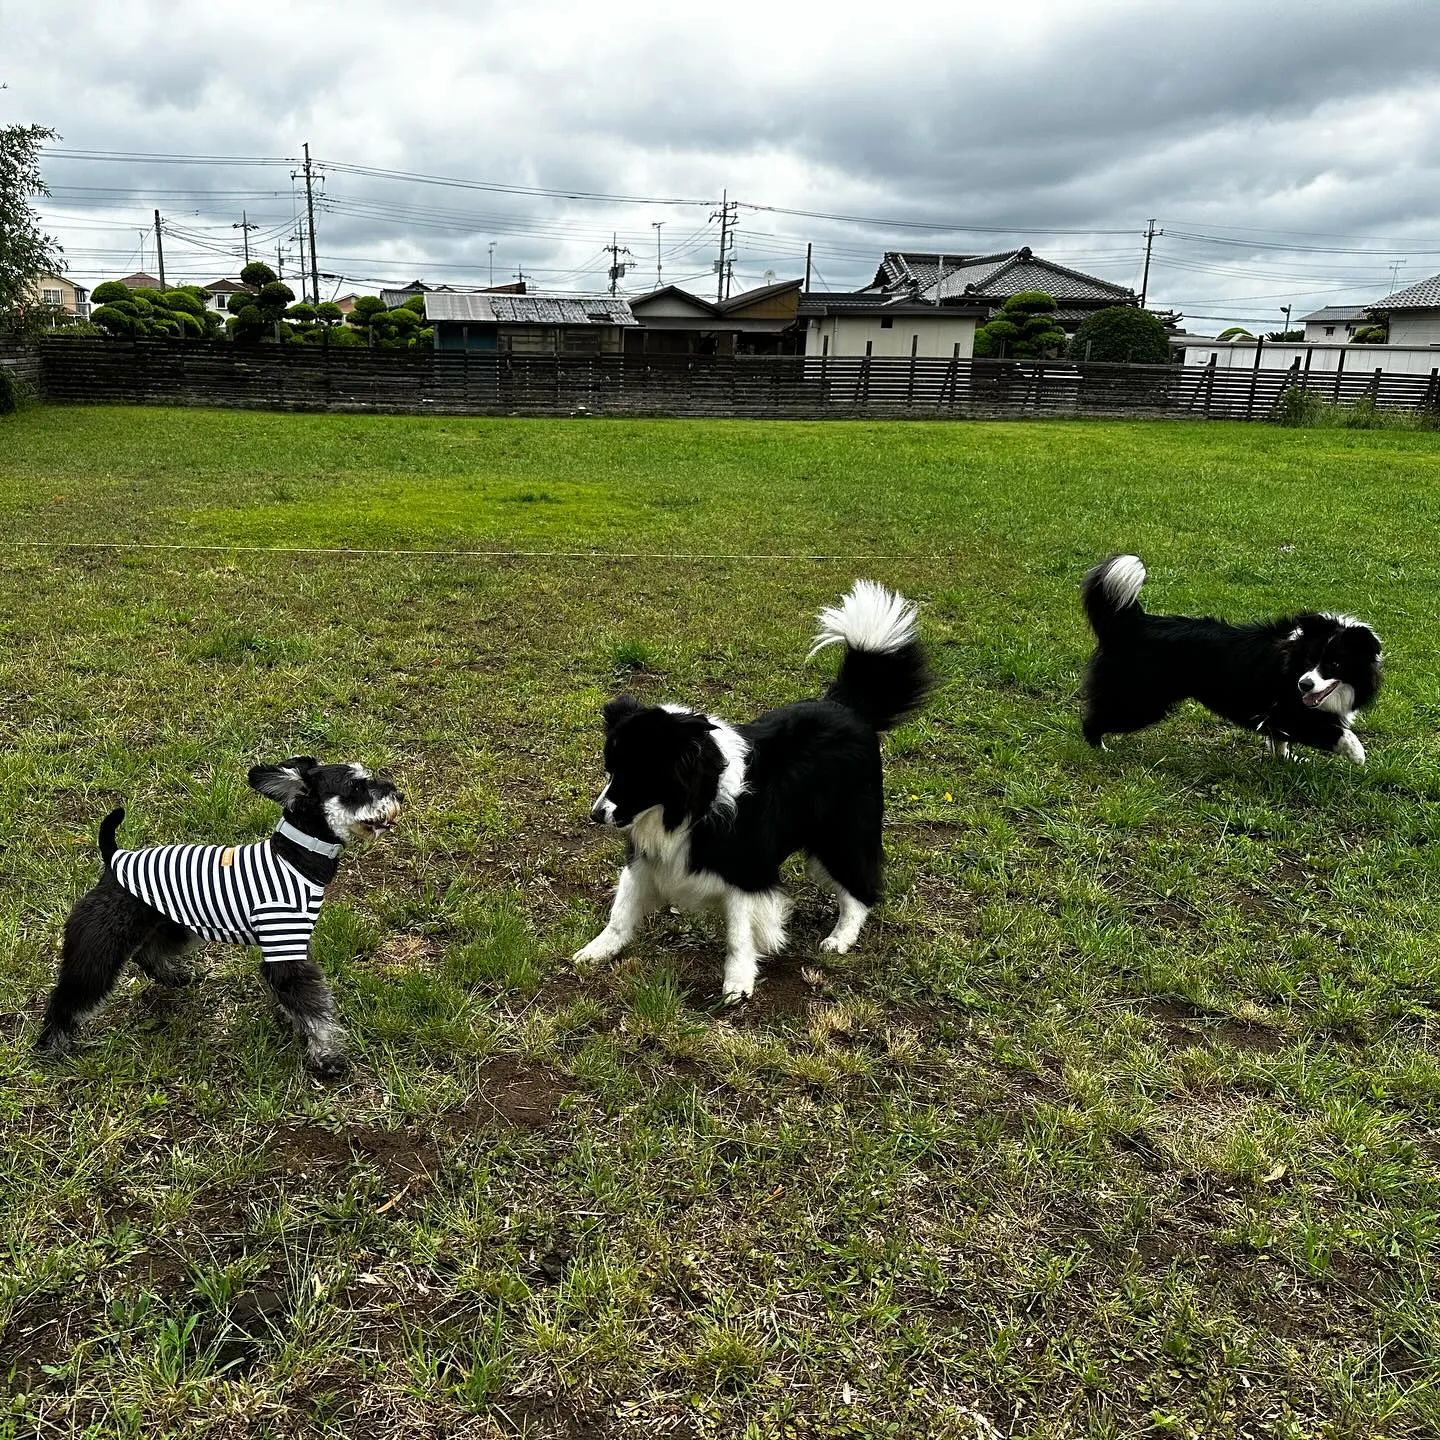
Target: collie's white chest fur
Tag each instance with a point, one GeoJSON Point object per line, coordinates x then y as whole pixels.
{"type": "Point", "coordinates": [665, 857]}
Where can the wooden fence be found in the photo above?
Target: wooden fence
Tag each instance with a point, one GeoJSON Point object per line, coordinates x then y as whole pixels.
{"type": "Point", "coordinates": [87, 371]}
{"type": "Point", "coordinates": [21, 362]}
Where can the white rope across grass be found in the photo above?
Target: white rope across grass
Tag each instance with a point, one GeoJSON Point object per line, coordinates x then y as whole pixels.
{"type": "Point", "coordinates": [347, 551]}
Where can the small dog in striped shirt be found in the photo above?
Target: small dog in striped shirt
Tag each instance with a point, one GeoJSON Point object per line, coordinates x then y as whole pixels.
{"type": "Point", "coordinates": [151, 905]}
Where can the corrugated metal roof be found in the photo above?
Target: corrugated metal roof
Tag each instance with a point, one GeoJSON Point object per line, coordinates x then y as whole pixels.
{"type": "Point", "coordinates": [1424, 296]}
{"type": "Point", "coordinates": [457, 305]}
{"type": "Point", "coordinates": [490, 308]}
{"type": "Point", "coordinates": [562, 310]}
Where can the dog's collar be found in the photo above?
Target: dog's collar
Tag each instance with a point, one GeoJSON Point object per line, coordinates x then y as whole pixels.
{"type": "Point", "coordinates": [309, 842]}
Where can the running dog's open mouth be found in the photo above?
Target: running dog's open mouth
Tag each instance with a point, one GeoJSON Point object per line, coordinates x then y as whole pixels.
{"type": "Point", "coordinates": [1315, 697]}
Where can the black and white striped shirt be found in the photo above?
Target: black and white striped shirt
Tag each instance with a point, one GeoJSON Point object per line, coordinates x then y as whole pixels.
{"type": "Point", "coordinates": [243, 894]}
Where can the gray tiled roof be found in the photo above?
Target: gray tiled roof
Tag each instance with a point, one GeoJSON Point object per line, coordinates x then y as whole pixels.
{"type": "Point", "coordinates": [942, 278]}
{"type": "Point", "coordinates": [1334, 315]}
{"type": "Point", "coordinates": [1424, 296]}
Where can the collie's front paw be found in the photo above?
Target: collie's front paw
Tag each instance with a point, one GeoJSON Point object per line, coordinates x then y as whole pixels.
{"type": "Point", "coordinates": [740, 975]}
{"type": "Point", "coordinates": [834, 945]}
{"type": "Point", "coordinates": [1350, 747]}
{"type": "Point", "coordinates": [605, 946]}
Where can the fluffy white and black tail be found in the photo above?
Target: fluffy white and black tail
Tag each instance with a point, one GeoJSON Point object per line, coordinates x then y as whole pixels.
{"type": "Point", "coordinates": [883, 676]}
{"type": "Point", "coordinates": [1111, 595]}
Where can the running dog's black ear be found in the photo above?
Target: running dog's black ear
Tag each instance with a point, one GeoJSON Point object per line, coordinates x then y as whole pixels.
{"type": "Point", "coordinates": [622, 707]}
{"type": "Point", "coordinates": [286, 782]}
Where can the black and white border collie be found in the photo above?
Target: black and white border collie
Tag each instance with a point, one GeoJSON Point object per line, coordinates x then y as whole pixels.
{"type": "Point", "coordinates": [711, 811]}
{"type": "Point", "coordinates": [1300, 679]}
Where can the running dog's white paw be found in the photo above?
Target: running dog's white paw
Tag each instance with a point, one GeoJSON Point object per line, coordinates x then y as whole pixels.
{"type": "Point", "coordinates": [604, 946]}
{"type": "Point", "coordinates": [830, 945]}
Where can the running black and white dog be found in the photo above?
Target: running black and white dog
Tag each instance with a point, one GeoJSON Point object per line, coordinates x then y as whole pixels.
{"type": "Point", "coordinates": [151, 905]}
{"type": "Point", "coordinates": [711, 811]}
{"type": "Point", "coordinates": [1300, 679]}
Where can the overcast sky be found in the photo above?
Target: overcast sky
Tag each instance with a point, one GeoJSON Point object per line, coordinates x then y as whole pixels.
{"type": "Point", "coordinates": [1290, 150]}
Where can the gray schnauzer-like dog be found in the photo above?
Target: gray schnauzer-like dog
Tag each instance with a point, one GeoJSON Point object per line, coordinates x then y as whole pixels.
{"type": "Point", "coordinates": [151, 905]}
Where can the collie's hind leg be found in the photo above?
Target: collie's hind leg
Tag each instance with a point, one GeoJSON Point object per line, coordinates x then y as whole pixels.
{"type": "Point", "coordinates": [635, 898]}
{"type": "Point", "coordinates": [857, 898]}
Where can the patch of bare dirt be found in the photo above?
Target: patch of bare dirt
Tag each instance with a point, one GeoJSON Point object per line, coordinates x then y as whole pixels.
{"type": "Point", "coordinates": [544, 1417]}
{"type": "Point", "coordinates": [37, 1335]}
{"type": "Point", "coordinates": [1185, 1024]}
{"type": "Point", "coordinates": [514, 1093]}
{"type": "Point", "coordinates": [401, 1156]}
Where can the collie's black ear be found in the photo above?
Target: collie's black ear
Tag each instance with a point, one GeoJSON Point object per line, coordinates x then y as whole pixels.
{"type": "Point", "coordinates": [622, 707]}
{"type": "Point", "coordinates": [286, 782]}
{"type": "Point", "coordinates": [697, 774]}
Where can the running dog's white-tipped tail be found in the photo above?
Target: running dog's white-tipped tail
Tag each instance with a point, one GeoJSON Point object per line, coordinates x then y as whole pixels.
{"type": "Point", "coordinates": [1122, 578]}
{"type": "Point", "coordinates": [869, 618]}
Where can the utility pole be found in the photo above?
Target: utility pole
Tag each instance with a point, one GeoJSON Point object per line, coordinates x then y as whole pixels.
{"type": "Point", "coordinates": [159, 250]}
{"type": "Point", "coordinates": [657, 225]}
{"type": "Point", "coordinates": [299, 238]}
{"type": "Point", "coordinates": [808, 247]}
{"type": "Point", "coordinates": [1285, 311]}
{"type": "Point", "coordinates": [724, 266]}
{"type": "Point", "coordinates": [1150, 234]}
{"type": "Point", "coordinates": [492, 264]}
{"type": "Point", "coordinates": [310, 212]}
{"type": "Point", "coordinates": [617, 268]}
{"type": "Point", "coordinates": [244, 226]}
{"type": "Point", "coordinates": [279, 262]}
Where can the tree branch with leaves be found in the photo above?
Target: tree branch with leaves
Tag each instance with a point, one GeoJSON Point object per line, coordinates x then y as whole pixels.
{"type": "Point", "coordinates": [26, 252]}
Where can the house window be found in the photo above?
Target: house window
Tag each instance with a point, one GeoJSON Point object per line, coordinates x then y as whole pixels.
{"type": "Point", "coordinates": [51, 297]}
{"type": "Point", "coordinates": [1329, 329]}
{"type": "Point", "coordinates": [887, 322]}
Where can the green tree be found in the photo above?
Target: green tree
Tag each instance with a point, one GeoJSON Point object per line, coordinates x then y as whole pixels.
{"type": "Point", "coordinates": [257, 314]}
{"type": "Point", "coordinates": [25, 251]}
{"type": "Point", "coordinates": [1122, 334]}
{"type": "Point", "coordinates": [1025, 327]}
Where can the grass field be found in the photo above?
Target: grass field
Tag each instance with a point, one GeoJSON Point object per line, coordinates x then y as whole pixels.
{"type": "Point", "coordinates": [1122, 1119]}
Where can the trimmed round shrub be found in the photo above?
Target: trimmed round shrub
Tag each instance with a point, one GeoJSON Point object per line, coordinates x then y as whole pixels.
{"type": "Point", "coordinates": [141, 306]}
{"type": "Point", "coordinates": [402, 319]}
{"type": "Point", "coordinates": [107, 291]}
{"type": "Point", "coordinates": [256, 274]}
{"type": "Point", "coordinates": [189, 324]}
{"type": "Point", "coordinates": [1369, 335]}
{"type": "Point", "coordinates": [276, 295]}
{"type": "Point", "coordinates": [329, 312]}
{"type": "Point", "coordinates": [365, 307]}
{"type": "Point", "coordinates": [113, 320]}
{"type": "Point", "coordinates": [1122, 334]}
{"type": "Point", "coordinates": [181, 302]}
{"type": "Point", "coordinates": [1031, 302]}
{"type": "Point", "coordinates": [415, 303]}
{"type": "Point", "coordinates": [301, 311]}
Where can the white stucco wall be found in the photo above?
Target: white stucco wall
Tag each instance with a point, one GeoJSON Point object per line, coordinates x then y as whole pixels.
{"type": "Point", "coordinates": [1415, 327]}
{"type": "Point", "coordinates": [1359, 359]}
{"type": "Point", "coordinates": [938, 335]}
